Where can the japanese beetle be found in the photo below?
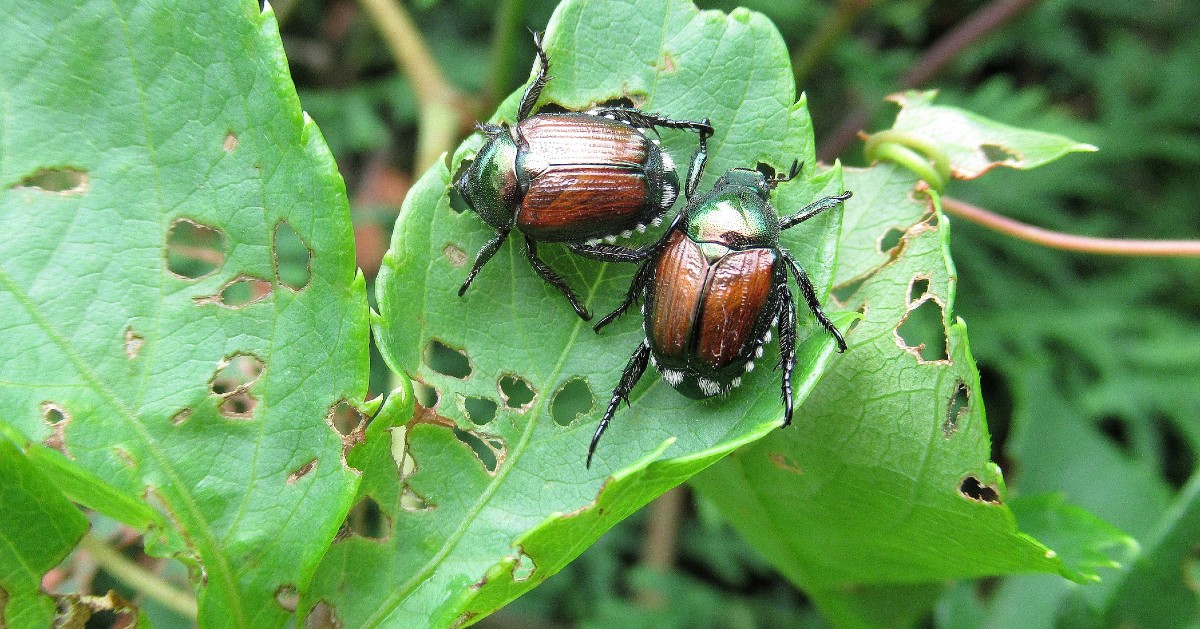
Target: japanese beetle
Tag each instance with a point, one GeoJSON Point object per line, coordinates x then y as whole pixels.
{"type": "Point", "coordinates": [712, 288]}
{"type": "Point", "coordinates": [574, 177]}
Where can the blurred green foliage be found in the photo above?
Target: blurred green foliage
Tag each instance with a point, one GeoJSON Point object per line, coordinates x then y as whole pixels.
{"type": "Point", "coordinates": [1089, 364]}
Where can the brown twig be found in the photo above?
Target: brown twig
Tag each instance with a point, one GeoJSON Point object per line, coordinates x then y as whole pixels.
{"type": "Point", "coordinates": [658, 548]}
{"type": "Point", "coordinates": [1071, 242]}
{"type": "Point", "coordinates": [983, 22]}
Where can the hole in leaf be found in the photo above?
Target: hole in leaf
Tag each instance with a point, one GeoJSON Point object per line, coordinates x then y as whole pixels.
{"type": "Point", "coordinates": [922, 332]}
{"type": "Point", "coordinates": [405, 464]}
{"type": "Point", "coordinates": [238, 292]}
{"type": "Point", "coordinates": [973, 489]}
{"type": "Point", "coordinates": [621, 101]}
{"type": "Point", "coordinates": [57, 180]}
{"type": "Point", "coordinates": [288, 597]}
{"type": "Point", "coordinates": [230, 143]}
{"type": "Point", "coordinates": [862, 311]}
{"type": "Point", "coordinates": [959, 405]}
{"type": "Point", "coordinates": [322, 616]}
{"type": "Point", "coordinates": [293, 258]}
{"type": "Point", "coordinates": [1113, 427]}
{"type": "Point", "coordinates": [482, 449]}
{"type": "Point", "coordinates": [426, 395]}
{"type": "Point", "coordinates": [299, 472]}
{"type": "Point", "coordinates": [194, 250]}
{"type": "Point", "coordinates": [367, 519]}
{"type": "Point", "coordinates": [457, 203]}
{"type": "Point", "coordinates": [133, 343]}
{"type": "Point", "coordinates": [456, 256]}
{"type": "Point", "coordinates": [232, 383]}
{"type": "Point", "coordinates": [843, 292]}
{"type": "Point", "coordinates": [523, 567]}
{"type": "Point", "coordinates": [345, 419]}
{"type": "Point", "coordinates": [57, 418]}
{"type": "Point", "coordinates": [447, 361]}
{"type": "Point", "coordinates": [1000, 154]}
{"type": "Point", "coordinates": [918, 288]}
{"type": "Point", "coordinates": [516, 392]}
{"type": "Point", "coordinates": [412, 501]}
{"type": "Point", "coordinates": [574, 398]}
{"type": "Point", "coordinates": [480, 409]}
{"type": "Point", "coordinates": [890, 241]}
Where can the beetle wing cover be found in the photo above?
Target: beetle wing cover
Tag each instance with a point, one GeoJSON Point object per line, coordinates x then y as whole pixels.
{"type": "Point", "coordinates": [675, 295]}
{"type": "Point", "coordinates": [581, 139]}
{"type": "Point", "coordinates": [578, 202]}
{"type": "Point", "coordinates": [736, 306]}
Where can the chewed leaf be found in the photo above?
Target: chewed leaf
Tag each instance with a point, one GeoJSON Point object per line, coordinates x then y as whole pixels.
{"type": "Point", "coordinates": [973, 144]}
{"type": "Point", "coordinates": [495, 496]}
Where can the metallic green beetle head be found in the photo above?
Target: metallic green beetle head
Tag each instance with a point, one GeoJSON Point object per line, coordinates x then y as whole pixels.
{"type": "Point", "coordinates": [736, 214]}
{"type": "Point", "coordinates": [490, 186]}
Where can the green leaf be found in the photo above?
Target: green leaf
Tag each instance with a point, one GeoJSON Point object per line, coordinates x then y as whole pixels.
{"type": "Point", "coordinates": [885, 477]}
{"type": "Point", "coordinates": [1081, 540]}
{"type": "Point", "coordinates": [158, 180]}
{"type": "Point", "coordinates": [499, 497]}
{"type": "Point", "coordinates": [973, 144]}
{"type": "Point", "coordinates": [38, 527]}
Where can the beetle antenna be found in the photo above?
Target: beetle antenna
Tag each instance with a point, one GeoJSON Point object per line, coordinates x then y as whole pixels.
{"type": "Point", "coordinates": [778, 179]}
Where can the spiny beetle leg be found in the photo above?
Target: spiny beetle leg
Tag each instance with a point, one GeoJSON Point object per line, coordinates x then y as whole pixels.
{"type": "Point", "coordinates": [552, 278]}
{"type": "Point", "coordinates": [787, 347]}
{"type": "Point", "coordinates": [637, 288]}
{"type": "Point", "coordinates": [609, 253]}
{"type": "Point", "coordinates": [633, 372]}
{"type": "Point", "coordinates": [485, 254]}
{"type": "Point", "coordinates": [534, 91]}
{"type": "Point", "coordinates": [810, 296]}
{"type": "Point", "coordinates": [813, 209]}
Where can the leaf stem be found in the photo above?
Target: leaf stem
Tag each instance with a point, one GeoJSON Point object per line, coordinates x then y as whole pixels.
{"type": "Point", "coordinates": [441, 106]}
{"type": "Point", "coordinates": [504, 47]}
{"type": "Point", "coordinates": [1071, 242]}
{"type": "Point", "coordinates": [138, 578]}
{"type": "Point", "coordinates": [979, 24]}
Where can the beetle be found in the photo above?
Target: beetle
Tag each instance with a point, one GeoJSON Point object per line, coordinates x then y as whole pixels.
{"type": "Point", "coordinates": [576, 177]}
{"type": "Point", "coordinates": [713, 287]}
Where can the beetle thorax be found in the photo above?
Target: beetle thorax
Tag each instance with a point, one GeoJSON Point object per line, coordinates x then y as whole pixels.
{"type": "Point", "coordinates": [490, 186]}
{"type": "Point", "coordinates": [734, 218]}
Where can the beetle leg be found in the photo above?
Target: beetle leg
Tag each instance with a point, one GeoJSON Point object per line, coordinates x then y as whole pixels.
{"type": "Point", "coordinates": [812, 209]}
{"type": "Point", "coordinates": [787, 347]}
{"type": "Point", "coordinates": [633, 372]}
{"type": "Point", "coordinates": [810, 295]}
{"type": "Point", "coordinates": [485, 254]}
{"type": "Point", "coordinates": [529, 99]}
{"type": "Point", "coordinates": [637, 288]}
{"type": "Point", "coordinates": [552, 278]}
{"type": "Point", "coordinates": [609, 253]}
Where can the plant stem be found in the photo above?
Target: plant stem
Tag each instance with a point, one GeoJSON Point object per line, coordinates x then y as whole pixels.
{"type": "Point", "coordinates": [979, 24]}
{"type": "Point", "coordinates": [504, 45]}
{"type": "Point", "coordinates": [658, 549]}
{"type": "Point", "coordinates": [138, 578]}
{"type": "Point", "coordinates": [441, 106]}
{"type": "Point", "coordinates": [1071, 242]}
{"type": "Point", "coordinates": [817, 48]}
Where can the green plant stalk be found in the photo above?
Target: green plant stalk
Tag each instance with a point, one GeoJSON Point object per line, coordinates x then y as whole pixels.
{"type": "Point", "coordinates": [834, 28]}
{"type": "Point", "coordinates": [504, 45]}
{"type": "Point", "coordinates": [138, 578]}
{"type": "Point", "coordinates": [439, 103]}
